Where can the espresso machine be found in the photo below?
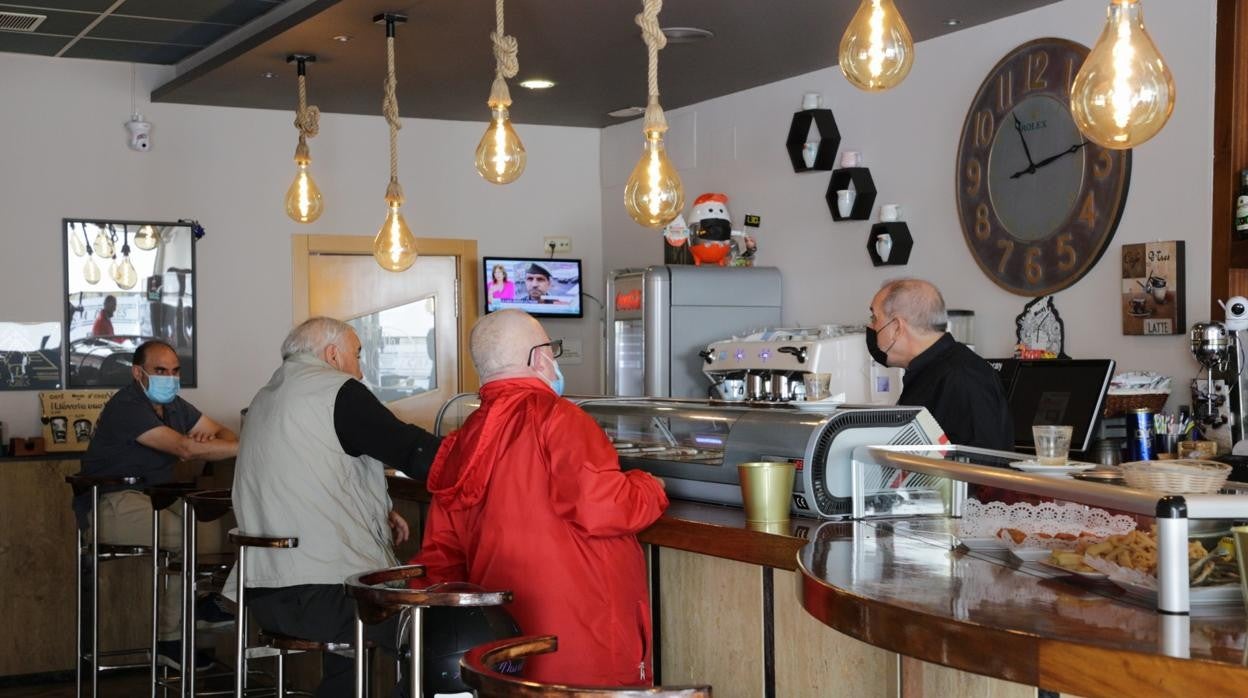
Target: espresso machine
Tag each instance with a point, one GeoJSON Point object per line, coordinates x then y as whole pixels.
{"type": "Point", "coordinates": [827, 364]}
{"type": "Point", "coordinates": [1220, 399]}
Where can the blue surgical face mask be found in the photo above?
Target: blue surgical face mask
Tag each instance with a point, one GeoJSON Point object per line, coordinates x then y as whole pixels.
{"type": "Point", "coordinates": [162, 389]}
{"type": "Point", "coordinates": [556, 384]}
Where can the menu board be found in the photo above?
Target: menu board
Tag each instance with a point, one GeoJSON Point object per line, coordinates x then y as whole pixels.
{"type": "Point", "coordinates": [69, 417]}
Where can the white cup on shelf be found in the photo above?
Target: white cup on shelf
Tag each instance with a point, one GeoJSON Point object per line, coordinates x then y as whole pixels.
{"type": "Point", "coordinates": [851, 158]}
{"type": "Point", "coordinates": [884, 246]}
{"type": "Point", "coordinates": [845, 201]}
{"type": "Point", "coordinates": [890, 213]}
{"type": "Point", "coordinates": [812, 100]}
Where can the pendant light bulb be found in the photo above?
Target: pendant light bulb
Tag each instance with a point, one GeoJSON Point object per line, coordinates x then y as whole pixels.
{"type": "Point", "coordinates": [91, 271]}
{"type": "Point", "coordinates": [303, 199]}
{"type": "Point", "coordinates": [114, 270]}
{"type": "Point", "coordinates": [500, 154]}
{"type": "Point", "coordinates": [147, 238]}
{"type": "Point", "coordinates": [104, 245]}
{"type": "Point", "coordinates": [1124, 93]}
{"type": "Point", "coordinates": [876, 49]}
{"type": "Point", "coordinates": [654, 194]}
{"type": "Point", "coordinates": [394, 248]}
{"type": "Point", "coordinates": [76, 244]}
{"type": "Point", "coordinates": [126, 277]}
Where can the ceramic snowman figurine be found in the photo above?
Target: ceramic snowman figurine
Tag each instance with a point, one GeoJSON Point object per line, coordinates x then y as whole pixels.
{"type": "Point", "coordinates": [711, 228]}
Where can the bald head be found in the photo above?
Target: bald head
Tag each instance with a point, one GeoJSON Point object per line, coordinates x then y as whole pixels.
{"type": "Point", "coordinates": [501, 341]}
{"type": "Point", "coordinates": [916, 301]}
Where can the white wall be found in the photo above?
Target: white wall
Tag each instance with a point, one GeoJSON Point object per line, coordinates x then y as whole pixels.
{"type": "Point", "coordinates": [63, 154]}
{"type": "Point", "coordinates": [908, 137]}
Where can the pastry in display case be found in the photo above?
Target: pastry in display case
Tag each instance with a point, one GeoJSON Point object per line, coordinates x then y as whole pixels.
{"type": "Point", "coordinates": [696, 446]}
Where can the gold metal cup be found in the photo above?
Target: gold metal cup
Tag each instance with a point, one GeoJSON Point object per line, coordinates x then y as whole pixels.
{"type": "Point", "coordinates": [766, 489]}
{"type": "Point", "coordinates": [1241, 551]}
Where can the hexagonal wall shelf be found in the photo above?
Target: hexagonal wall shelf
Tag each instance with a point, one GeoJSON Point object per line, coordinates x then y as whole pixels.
{"type": "Point", "coordinates": [863, 185]}
{"type": "Point", "coordinates": [828, 134]}
{"type": "Point", "coordinates": [889, 244]}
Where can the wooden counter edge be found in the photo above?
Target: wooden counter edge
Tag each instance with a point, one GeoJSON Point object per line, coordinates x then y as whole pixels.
{"type": "Point", "coordinates": [728, 542]}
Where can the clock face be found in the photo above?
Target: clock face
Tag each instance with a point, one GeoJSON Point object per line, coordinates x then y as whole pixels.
{"type": "Point", "coordinates": [1038, 202]}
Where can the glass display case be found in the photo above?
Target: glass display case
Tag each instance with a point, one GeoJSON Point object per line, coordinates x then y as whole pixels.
{"type": "Point", "coordinates": [1172, 512]}
{"type": "Point", "coordinates": [696, 446]}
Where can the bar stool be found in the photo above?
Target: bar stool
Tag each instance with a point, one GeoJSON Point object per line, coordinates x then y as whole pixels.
{"type": "Point", "coordinates": [477, 670]}
{"type": "Point", "coordinates": [81, 484]}
{"type": "Point", "coordinates": [244, 541]}
{"type": "Point", "coordinates": [188, 565]}
{"type": "Point", "coordinates": [198, 507]}
{"type": "Point", "coordinates": [375, 602]}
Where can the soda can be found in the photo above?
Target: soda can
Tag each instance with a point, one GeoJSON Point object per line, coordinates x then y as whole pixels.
{"type": "Point", "coordinates": [1140, 434]}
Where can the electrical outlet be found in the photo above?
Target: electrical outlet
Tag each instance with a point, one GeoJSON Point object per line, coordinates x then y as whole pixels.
{"type": "Point", "coordinates": [560, 245]}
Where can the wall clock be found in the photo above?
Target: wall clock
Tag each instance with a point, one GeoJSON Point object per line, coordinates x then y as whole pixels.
{"type": "Point", "coordinates": [1038, 202]}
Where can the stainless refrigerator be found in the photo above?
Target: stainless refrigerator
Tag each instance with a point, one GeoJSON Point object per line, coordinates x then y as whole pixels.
{"type": "Point", "coordinates": [659, 318]}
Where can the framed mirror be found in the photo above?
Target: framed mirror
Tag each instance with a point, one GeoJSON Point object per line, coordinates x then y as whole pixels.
{"type": "Point", "coordinates": [126, 282]}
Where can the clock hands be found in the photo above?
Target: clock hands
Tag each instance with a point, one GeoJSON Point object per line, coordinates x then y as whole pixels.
{"type": "Point", "coordinates": [1018, 126]}
{"type": "Point", "coordinates": [1032, 169]}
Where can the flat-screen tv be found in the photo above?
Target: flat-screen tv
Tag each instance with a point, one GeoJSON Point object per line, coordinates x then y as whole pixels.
{"type": "Point", "coordinates": [1055, 391]}
{"type": "Point", "coordinates": [540, 287]}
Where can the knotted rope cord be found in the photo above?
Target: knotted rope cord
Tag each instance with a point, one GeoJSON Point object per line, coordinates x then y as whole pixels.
{"type": "Point", "coordinates": [307, 120]}
{"type": "Point", "coordinates": [390, 108]}
{"type": "Point", "coordinates": [655, 40]}
{"type": "Point", "coordinates": [506, 60]}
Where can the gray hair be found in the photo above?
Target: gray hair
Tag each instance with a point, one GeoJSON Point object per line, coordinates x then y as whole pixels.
{"type": "Point", "coordinates": [917, 301]}
{"type": "Point", "coordinates": [312, 336]}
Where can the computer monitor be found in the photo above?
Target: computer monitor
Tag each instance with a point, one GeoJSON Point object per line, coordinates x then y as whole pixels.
{"type": "Point", "coordinates": [1055, 391]}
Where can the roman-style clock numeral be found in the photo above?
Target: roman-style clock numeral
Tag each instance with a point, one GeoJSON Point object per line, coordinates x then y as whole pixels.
{"type": "Point", "coordinates": [1037, 63]}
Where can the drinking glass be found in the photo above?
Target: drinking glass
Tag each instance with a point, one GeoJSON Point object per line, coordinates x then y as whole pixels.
{"type": "Point", "coordinates": [1052, 443]}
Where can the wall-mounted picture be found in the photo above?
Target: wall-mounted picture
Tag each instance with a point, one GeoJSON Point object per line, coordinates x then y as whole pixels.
{"type": "Point", "coordinates": [30, 355]}
{"type": "Point", "coordinates": [69, 417]}
{"type": "Point", "coordinates": [126, 282]}
{"type": "Point", "coordinates": [1154, 301]}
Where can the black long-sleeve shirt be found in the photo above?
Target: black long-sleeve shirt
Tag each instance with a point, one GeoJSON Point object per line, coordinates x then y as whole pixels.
{"type": "Point", "coordinates": [962, 392]}
{"type": "Point", "coordinates": [366, 427]}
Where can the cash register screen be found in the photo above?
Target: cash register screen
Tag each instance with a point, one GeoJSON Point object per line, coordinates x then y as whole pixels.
{"type": "Point", "coordinates": [1055, 391]}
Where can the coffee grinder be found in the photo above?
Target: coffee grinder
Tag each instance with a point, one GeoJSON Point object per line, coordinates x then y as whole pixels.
{"type": "Point", "coordinates": [1212, 345]}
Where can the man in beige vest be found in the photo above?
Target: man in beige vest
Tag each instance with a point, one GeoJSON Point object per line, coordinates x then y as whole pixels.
{"type": "Point", "coordinates": [310, 464]}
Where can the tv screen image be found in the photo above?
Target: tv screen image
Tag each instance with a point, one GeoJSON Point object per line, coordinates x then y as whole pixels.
{"type": "Point", "coordinates": [540, 287]}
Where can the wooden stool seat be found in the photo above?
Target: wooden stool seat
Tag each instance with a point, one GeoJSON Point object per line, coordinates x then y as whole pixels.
{"type": "Point", "coordinates": [477, 670]}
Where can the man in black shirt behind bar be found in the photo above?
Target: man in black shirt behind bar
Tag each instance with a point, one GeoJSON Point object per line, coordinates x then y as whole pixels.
{"type": "Point", "coordinates": [959, 388]}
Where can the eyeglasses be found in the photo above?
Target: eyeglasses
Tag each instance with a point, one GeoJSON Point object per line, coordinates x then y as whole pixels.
{"type": "Point", "coordinates": [556, 349]}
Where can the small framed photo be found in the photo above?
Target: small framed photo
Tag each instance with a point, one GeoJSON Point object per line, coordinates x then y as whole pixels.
{"type": "Point", "coordinates": [1154, 298]}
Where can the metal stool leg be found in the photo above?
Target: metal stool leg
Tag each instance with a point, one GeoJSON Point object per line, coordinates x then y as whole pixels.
{"type": "Point", "coordinates": [189, 563]}
{"type": "Point", "coordinates": [281, 674]}
{"type": "Point", "coordinates": [418, 658]}
{"type": "Point", "coordinates": [360, 668]}
{"type": "Point", "coordinates": [78, 656]}
{"type": "Point", "coordinates": [95, 591]}
{"type": "Point", "coordinates": [240, 654]}
{"type": "Point", "coordinates": [155, 593]}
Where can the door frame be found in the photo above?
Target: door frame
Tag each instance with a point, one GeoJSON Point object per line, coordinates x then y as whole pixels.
{"type": "Point", "coordinates": [464, 251]}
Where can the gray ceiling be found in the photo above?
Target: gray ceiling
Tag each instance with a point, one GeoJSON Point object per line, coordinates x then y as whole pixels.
{"type": "Point", "coordinates": [591, 48]}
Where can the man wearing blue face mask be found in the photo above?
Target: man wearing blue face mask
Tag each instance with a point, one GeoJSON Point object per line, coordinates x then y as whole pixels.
{"type": "Point", "coordinates": [143, 430]}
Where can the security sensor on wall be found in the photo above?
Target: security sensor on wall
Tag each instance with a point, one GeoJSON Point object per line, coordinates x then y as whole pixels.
{"type": "Point", "coordinates": [140, 132]}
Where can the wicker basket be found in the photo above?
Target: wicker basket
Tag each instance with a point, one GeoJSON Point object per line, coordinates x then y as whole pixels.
{"type": "Point", "coordinates": [1122, 404]}
{"type": "Point", "coordinates": [1183, 476]}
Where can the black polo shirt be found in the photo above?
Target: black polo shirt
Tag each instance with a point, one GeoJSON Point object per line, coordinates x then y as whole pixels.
{"type": "Point", "coordinates": [115, 451]}
{"type": "Point", "coordinates": [962, 392]}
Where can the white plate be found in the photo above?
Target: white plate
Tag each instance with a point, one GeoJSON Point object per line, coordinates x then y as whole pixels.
{"type": "Point", "coordinates": [983, 544]}
{"type": "Point", "coordinates": [1030, 554]}
{"type": "Point", "coordinates": [1030, 466]}
{"type": "Point", "coordinates": [1220, 595]}
{"type": "Point", "coordinates": [1058, 568]}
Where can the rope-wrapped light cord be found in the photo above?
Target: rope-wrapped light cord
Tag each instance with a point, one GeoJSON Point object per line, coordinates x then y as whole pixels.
{"type": "Point", "coordinates": [307, 120]}
{"type": "Point", "coordinates": [655, 40]}
{"type": "Point", "coordinates": [390, 108]}
{"type": "Point", "coordinates": [506, 60]}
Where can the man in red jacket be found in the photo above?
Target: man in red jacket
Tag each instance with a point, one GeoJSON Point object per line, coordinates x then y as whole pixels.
{"type": "Point", "coordinates": [528, 495]}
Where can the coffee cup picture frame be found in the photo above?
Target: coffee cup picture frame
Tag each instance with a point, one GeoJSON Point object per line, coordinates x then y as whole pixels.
{"type": "Point", "coordinates": [1153, 293]}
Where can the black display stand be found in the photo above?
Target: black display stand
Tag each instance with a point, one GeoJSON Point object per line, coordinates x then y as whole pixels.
{"type": "Point", "coordinates": [902, 243]}
{"type": "Point", "coordinates": [864, 185]}
{"type": "Point", "coordinates": [829, 139]}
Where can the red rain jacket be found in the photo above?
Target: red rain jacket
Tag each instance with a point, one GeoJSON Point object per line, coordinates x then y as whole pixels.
{"type": "Point", "coordinates": [528, 496]}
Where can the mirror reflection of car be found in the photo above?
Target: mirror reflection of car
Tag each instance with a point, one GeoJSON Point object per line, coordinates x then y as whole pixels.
{"type": "Point", "coordinates": [105, 361]}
